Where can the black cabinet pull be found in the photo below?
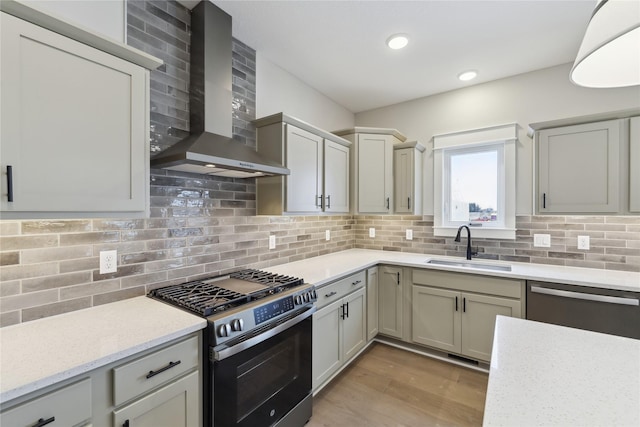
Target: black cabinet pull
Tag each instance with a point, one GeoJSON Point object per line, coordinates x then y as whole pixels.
{"type": "Point", "coordinates": [464, 305]}
{"type": "Point", "coordinates": [161, 370]}
{"type": "Point", "coordinates": [125, 424]}
{"type": "Point", "coordinates": [42, 422]}
{"type": "Point", "coordinates": [343, 315]}
{"type": "Point", "coordinates": [347, 315]}
{"type": "Point", "coordinates": [456, 303]}
{"type": "Point", "coordinates": [408, 202]}
{"type": "Point", "coordinates": [544, 200]}
{"type": "Point", "coordinates": [319, 202]}
{"type": "Point", "coordinates": [9, 183]}
{"type": "Point", "coordinates": [398, 278]}
{"type": "Point", "coordinates": [387, 202]}
{"type": "Point", "coordinates": [329, 201]}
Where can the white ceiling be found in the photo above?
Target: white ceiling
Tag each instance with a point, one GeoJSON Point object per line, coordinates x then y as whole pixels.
{"type": "Point", "coordinates": [338, 47]}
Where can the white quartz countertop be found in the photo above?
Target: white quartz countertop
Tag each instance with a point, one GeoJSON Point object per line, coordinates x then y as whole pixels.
{"type": "Point", "coordinates": [326, 268]}
{"type": "Point", "coordinates": [548, 375]}
{"type": "Point", "coordinates": [42, 352]}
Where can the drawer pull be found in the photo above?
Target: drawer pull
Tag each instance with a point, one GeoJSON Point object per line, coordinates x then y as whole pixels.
{"type": "Point", "coordinates": [42, 422]}
{"type": "Point", "coordinates": [356, 282]}
{"type": "Point", "coordinates": [330, 294]}
{"type": "Point", "coordinates": [161, 370]}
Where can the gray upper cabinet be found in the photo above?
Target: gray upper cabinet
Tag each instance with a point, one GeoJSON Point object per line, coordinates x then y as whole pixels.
{"type": "Point", "coordinates": [579, 168]}
{"type": "Point", "coordinates": [634, 164]}
{"type": "Point", "coordinates": [407, 181]}
{"type": "Point", "coordinates": [372, 168]}
{"type": "Point", "coordinates": [319, 165]}
{"type": "Point", "coordinates": [75, 123]}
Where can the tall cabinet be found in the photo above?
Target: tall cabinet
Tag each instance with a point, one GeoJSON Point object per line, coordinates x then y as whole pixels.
{"type": "Point", "coordinates": [319, 164]}
{"type": "Point", "coordinates": [372, 168]}
{"type": "Point", "coordinates": [75, 119]}
{"type": "Point", "coordinates": [407, 182]}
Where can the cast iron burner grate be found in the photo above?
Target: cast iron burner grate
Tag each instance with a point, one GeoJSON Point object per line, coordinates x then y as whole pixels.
{"type": "Point", "coordinates": [205, 299]}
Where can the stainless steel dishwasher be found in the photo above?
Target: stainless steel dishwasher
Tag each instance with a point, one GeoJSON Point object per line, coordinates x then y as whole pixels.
{"type": "Point", "coordinates": [600, 310]}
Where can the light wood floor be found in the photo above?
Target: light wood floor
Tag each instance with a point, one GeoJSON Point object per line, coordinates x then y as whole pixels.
{"type": "Point", "coordinates": [387, 386]}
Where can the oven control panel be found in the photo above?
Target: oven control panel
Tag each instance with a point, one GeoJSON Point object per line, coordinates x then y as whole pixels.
{"type": "Point", "coordinates": [270, 308]}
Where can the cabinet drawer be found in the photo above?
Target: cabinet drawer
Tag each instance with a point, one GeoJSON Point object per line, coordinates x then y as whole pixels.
{"type": "Point", "coordinates": [336, 290]}
{"type": "Point", "coordinates": [140, 376]}
{"type": "Point", "coordinates": [68, 406]}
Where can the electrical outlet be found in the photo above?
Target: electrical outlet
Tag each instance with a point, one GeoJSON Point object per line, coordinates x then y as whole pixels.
{"type": "Point", "coordinates": [409, 234]}
{"type": "Point", "coordinates": [327, 235]}
{"type": "Point", "coordinates": [108, 261]}
{"type": "Point", "coordinates": [583, 242]}
{"type": "Point", "coordinates": [542, 240]}
{"type": "Point", "coordinates": [372, 232]}
{"type": "Point", "coordinates": [272, 241]}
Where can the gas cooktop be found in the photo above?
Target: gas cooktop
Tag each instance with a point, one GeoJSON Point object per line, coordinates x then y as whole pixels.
{"type": "Point", "coordinates": [209, 296]}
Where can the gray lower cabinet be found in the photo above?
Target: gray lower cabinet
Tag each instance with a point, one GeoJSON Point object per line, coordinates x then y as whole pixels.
{"type": "Point", "coordinates": [372, 303]}
{"type": "Point", "coordinates": [446, 316]}
{"type": "Point", "coordinates": [339, 326]}
{"type": "Point", "coordinates": [579, 168]}
{"type": "Point", "coordinates": [158, 387]}
{"type": "Point", "coordinates": [74, 135]}
{"type": "Point", "coordinates": [390, 295]}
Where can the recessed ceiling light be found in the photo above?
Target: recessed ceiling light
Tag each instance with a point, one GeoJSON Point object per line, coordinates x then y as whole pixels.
{"type": "Point", "coordinates": [467, 75]}
{"type": "Point", "coordinates": [398, 41]}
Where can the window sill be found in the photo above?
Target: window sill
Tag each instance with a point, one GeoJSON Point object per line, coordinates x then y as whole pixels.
{"type": "Point", "coordinates": [478, 232]}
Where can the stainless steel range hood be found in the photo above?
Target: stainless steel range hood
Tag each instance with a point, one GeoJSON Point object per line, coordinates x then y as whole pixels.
{"type": "Point", "coordinates": [210, 149]}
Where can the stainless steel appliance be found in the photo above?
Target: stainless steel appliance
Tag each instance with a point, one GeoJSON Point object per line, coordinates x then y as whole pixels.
{"type": "Point", "coordinates": [257, 346]}
{"type": "Point", "coordinates": [600, 310]}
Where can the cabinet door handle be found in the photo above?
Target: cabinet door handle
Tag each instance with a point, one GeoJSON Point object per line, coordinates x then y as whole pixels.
{"type": "Point", "coordinates": [319, 201]}
{"type": "Point", "coordinates": [42, 422]}
{"type": "Point", "coordinates": [456, 303]}
{"type": "Point", "coordinates": [544, 200]}
{"type": "Point", "coordinates": [330, 294]}
{"type": "Point", "coordinates": [161, 370]}
{"type": "Point", "coordinates": [328, 201]}
{"type": "Point", "coordinates": [464, 305]}
{"type": "Point", "coordinates": [398, 278]}
{"type": "Point", "coordinates": [408, 202]}
{"type": "Point", "coordinates": [387, 202]}
{"type": "Point", "coordinates": [125, 424]}
{"type": "Point", "coordinates": [347, 313]}
{"type": "Point", "coordinates": [9, 183]}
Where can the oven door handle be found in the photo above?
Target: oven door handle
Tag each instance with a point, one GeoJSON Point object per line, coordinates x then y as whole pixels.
{"type": "Point", "coordinates": [225, 352]}
{"type": "Point", "coordinates": [589, 297]}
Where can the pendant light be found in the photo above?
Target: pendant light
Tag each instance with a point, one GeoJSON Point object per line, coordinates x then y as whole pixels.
{"type": "Point", "coordinates": [610, 52]}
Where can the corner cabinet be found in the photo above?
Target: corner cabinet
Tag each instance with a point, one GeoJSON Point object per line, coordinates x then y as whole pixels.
{"type": "Point", "coordinates": [339, 326]}
{"type": "Point", "coordinates": [372, 168]}
{"type": "Point", "coordinates": [579, 168]}
{"type": "Point", "coordinates": [407, 181]}
{"type": "Point", "coordinates": [75, 125]}
{"type": "Point", "coordinates": [456, 312]}
{"type": "Point", "coordinates": [319, 164]}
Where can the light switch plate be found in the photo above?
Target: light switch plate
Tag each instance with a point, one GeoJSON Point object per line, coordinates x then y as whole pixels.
{"type": "Point", "coordinates": [583, 242]}
{"type": "Point", "coordinates": [542, 240]}
{"type": "Point", "coordinates": [327, 235]}
{"type": "Point", "coordinates": [372, 232]}
{"type": "Point", "coordinates": [272, 241]}
{"type": "Point", "coordinates": [409, 234]}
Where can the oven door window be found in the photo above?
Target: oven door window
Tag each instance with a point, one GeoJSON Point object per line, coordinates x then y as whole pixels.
{"type": "Point", "coordinates": [261, 384]}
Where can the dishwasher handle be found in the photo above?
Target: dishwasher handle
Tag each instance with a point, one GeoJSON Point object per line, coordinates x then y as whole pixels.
{"type": "Point", "coordinates": [583, 296]}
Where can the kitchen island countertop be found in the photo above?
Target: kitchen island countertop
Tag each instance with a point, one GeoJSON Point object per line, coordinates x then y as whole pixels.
{"type": "Point", "coordinates": [549, 375]}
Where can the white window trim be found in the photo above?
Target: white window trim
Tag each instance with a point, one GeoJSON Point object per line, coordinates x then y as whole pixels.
{"type": "Point", "coordinates": [506, 134]}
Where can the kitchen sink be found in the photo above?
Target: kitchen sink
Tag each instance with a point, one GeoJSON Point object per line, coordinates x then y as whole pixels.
{"type": "Point", "coordinates": [469, 264]}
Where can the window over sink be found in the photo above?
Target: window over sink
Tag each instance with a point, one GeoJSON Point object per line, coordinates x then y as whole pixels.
{"type": "Point", "coordinates": [474, 182]}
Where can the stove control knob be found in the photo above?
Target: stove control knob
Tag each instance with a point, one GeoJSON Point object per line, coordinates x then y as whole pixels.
{"type": "Point", "coordinates": [237, 324]}
{"type": "Point", "coordinates": [298, 299]}
{"type": "Point", "coordinates": [314, 295]}
{"type": "Point", "coordinates": [306, 297]}
{"type": "Point", "coordinates": [224, 330]}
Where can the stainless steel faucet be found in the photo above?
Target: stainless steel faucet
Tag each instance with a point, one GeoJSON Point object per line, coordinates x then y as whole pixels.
{"type": "Point", "coordinates": [470, 253]}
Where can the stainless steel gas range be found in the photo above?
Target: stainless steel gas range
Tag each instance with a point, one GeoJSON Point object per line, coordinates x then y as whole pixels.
{"type": "Point", "coordinates": [257, 346]}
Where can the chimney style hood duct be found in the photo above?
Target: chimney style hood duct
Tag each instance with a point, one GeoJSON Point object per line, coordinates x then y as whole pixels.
{"type": "Point", "coordinates": [210, 149]}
